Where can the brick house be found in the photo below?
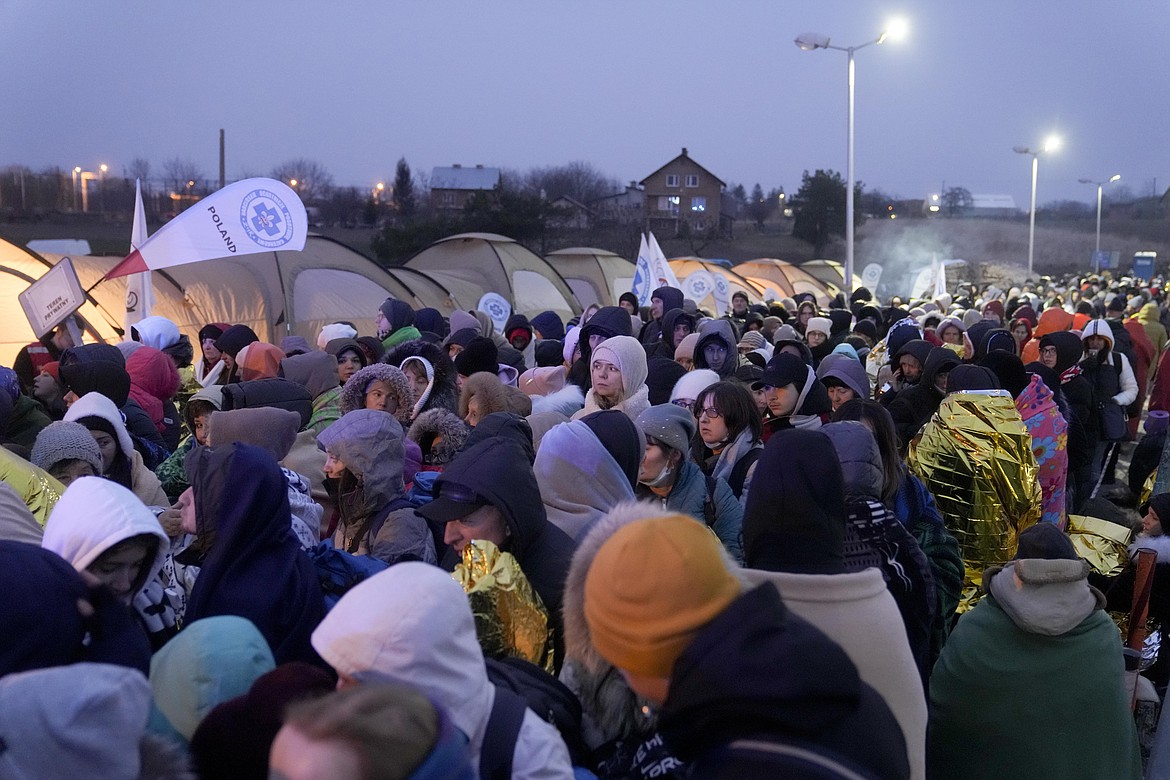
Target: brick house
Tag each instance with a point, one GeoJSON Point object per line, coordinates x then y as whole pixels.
{"type": "Point", "coordinates": [452, 187]}
{"type": "Point", "coordinates": [682, 191]}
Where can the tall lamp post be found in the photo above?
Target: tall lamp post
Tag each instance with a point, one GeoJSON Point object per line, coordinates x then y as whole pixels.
{"type": "Point", "coordinates": [1051, 144]}
{"type": "Point", "coordinates": [1100, 186]}
{"type": "Point", "coordinates": [810, 42]}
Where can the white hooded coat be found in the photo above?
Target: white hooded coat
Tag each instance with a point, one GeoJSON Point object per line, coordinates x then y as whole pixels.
{"type": "Point", "coordinates": [144, 482]}
{"type": "Point", "coordinates": [412, 624]}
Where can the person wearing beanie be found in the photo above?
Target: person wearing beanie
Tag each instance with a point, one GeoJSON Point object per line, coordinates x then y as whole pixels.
{"type": "Point", "coordinates": [548, 326]}
{"type": "Point", "coordinates": [816, 335]}
{"type": "Point", "coordinates": [662, 606]}
{"type": "Point", "coordinates": [542, 381]}
{"type": "Point", "coordinates": [102, 528]}
{"type": "Point", "coordinates": [334, 331]}
{"type": "Point", "coordinates": [480, 355]}
{"type": "Point", "coordinates": [579, 475]}
{"type": "Point", "coordinates": [669, 475]}
{"type": "Point", "coordinates": [210, 369]}
{"type": "Point", "coordinates": [47, 390]}
{"type": "Point", "coordinates": [350, 357]}
{"type": "Point", "coordinates": [120, 461]}
{"type": "Point", "coordinates": [273, 430]}
{"type": "Point", "coordinates": [661, 377]}
{"type": "Point", "coordinates": [618, 378]}
{"type": "Point", "coordinates": [1040, 644]}
{"type": "Point", "coordinates": [413, 625]}
{"type": "Point", "coordinates": [67, 451]}
{"type": "Point", "coordinates": [684, 353]}
{"type": "Point", "coordinates": [394, 321]}
{"type": "Point", "coordinates": [690, 386]}
{"type": "Point", "coordinates": [235, 738]}
{"type": "Point", "coordinates": [229, 344]}
{"type": "Point", "coordinates": [364, 470]}
{"type": "Point", "coordinates": [431, 320]}
{"type": "Point", "coordinates": [629, 302]}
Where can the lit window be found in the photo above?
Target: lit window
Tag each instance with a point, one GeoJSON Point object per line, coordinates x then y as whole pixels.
{"type": "Point", "coordinates": [672, 180]}
{"type": "Point", "coordinates": [698, 203]}
{"type": "Point", "coordinates": [692, 180]}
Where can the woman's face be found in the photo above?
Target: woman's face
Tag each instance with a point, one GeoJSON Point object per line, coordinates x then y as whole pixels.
{"type": "Point", "coordinates": [839, 395]}
{"type": "Point", "coordinates": [951, 335]}
{"type": "Point", "coordinates": [815, 338]}
{"type": "Point", "coordinates": [712, 425]}
{"type": "Point", "coordinates": [380, 396]}
{"type": "Point", "coordinates": [473, 412]}
{"type": "Point", "coordinates": [210, 353]}
{"type": "Point", "coordinates": [681, 331]}
{"type": "Point", "coordinates": [334, 468]}
{"type": "Point", "coordinates": [653, 462]}
{"type": "Point", "coordinates": [804, 315]}
{"type": "Point", "coordinates": [201, 428]}
{"type": "Point", "coordinates": [348, 364]}
{"type": "Point", "coordinates": [118, 568]}
{"type": "Point", "coordinates": [1151, 525]}
{"type": "Point", "coordinates": [417, 377]}
{"type": "Point", "coordinates": [186, 506]}
{"type": "Point", "coordinates": [607, 379]}
{"type": "Point", "coordinates": [68, 471]}
{"type": "Point", "coordinates": [1020, 332]}
{"type": "Point", "coordinates": [109, 447]}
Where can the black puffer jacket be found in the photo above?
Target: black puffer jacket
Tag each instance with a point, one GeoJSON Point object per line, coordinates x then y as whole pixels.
{"type": "Point", "coordinates": [914, 405]}
{"type": "Point", "coordinates": [672, 298]}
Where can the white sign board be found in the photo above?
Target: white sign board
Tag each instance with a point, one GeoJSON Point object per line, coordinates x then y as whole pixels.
{"type": "Point", "coordinates": [698, 285]}
{"type": "Point", "coordinates": [497, 307]}
{"type": "Point", "coordinates": [52, 298]}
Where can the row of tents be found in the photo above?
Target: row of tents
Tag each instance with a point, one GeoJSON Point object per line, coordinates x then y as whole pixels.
{"type": "Point", "coordinates": [294, 293]}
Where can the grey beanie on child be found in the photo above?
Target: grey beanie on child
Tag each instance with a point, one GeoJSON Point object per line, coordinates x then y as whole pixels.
{"type": "Point", "coordinates": [63, 440]}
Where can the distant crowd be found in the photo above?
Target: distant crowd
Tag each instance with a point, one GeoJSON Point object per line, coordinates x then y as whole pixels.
{"type": "Point", "coordinates": [834, 538]}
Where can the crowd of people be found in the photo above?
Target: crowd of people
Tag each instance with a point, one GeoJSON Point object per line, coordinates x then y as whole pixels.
{"type": "Point", "coordinates": [802, 539]}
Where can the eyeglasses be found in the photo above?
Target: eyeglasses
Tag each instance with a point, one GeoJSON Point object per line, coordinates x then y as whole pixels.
{"type": "Point", "coordinates": [711, 413]}
{"type": "Point", "coordinates": [1048, 351]}
{"type": "Point", "coordinates": [684, 403]}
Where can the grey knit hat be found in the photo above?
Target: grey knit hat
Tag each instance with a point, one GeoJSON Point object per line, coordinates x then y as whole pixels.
{"type": "Point", "coordinates": [670, 424]}
{"type": "Point", "coordinates": [62, 440]}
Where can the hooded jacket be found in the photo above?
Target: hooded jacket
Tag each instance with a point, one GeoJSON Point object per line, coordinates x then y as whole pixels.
{"type": "Point", "coordinates": [630, 359]}
{"type": "Point", "coordinates": [440, 434]}
{"type": "Point", "coordinates": [720, 332]}
{"type": "Point", "coordinates": [1049, 431]}
{"type": "Point", "coordinates": [493, 396]}
{"type": "Point", "coordinates": [780, 680]}
{"type": "Point", "coordinates": [579, 479]}
{"type": "Point", "coordinates": [499, 470]}
{"type": "Point", "coordinates": [143, 482]}
{"type": "Point", "coordinates": [666, 345]}
{"type": "Point", "coordinates": [154, 381]}
{"type": "Point", "coordinates": [914, 405]}
{"type": "Point", "coordinates": [17, 523]}
{"type": "Point", "coordinates": [353, 392]}
{"type": "Point", "coordinates": [412, 625]}
{"type": "Point", "coordinates": [253, 565]}
{"type": "Point", "coordinates": [672, 298]}
{"type": "Point", "coordinates": [209, 662]}
{"type": "Point", "coordinates": [83, 720]}
{"type": "Point", "coordinates": [443, 393]}
{"type": "Point", "coordinates": [316, 372]}
{"type": "Point", "coordinates": [1037, 650]}
{"type": "Point", "coordinates": [1118, 364]}
{"type": "Point", "coordinates": [1052, 320]}
{"type": "Point", "coordinates": [401, 319]}
{"type": "Point", "coordinates": [111, 380]}
{"type": "Point", "coordinates": [370, 444]}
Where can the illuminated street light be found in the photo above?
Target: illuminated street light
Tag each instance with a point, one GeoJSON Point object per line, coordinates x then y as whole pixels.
{"type": "Point", "coordinates": [1051, 144]}
{"type": "Point", "coordinates": [1100, 186]}
{"type": "Point", "coordinates": [895, 30]}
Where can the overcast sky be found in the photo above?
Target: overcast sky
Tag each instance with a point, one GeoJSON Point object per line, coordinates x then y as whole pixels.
{"type": "Point", "coordinates": [622, 85]}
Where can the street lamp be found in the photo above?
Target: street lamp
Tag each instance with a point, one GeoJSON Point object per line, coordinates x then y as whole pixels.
{"type": "Point", "coordinates": [76, 170]}
{"type": "Point", "coordinates": [1100, 185]}
{"type": "Point", "coordinates": [1051, 144]}
{"type": "Point", "coordinates": [809, 42]}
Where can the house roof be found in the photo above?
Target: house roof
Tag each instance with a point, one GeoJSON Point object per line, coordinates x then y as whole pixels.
{"type": "Point", "coordinates": [993, 202]}
{"type": "Point", "coordinates": [683, 155]}
{"type": "Point", "coordinates": [460, 178]}
{"type": "Point", "coordinates": [570, 201]}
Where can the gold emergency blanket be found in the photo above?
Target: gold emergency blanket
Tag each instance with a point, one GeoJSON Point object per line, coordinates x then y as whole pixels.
{"type": "Point", "coordinates": [1103, 544]}
{"type": "Point", "coordinates": [37, 489]}
{"type": "Point", "coordinates": [975, 456]}
{"type": "Point", "coordinates": [510, 619]}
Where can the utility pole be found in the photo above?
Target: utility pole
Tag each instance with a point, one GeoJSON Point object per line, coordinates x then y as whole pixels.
{"type": "Point", "coordinates": [222, 177]}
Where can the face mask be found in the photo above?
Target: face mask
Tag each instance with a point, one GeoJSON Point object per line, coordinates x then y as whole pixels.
{"type": "Point", "coordinates": [663, 478]}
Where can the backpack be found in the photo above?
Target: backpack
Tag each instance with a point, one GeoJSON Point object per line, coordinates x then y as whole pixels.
{"type": "Point", "coordinates": [339, 571]}
{"type": "Point", "coordinates": [709, 502]}
{"type": "Point", "coordinates": [739, 472]}
{"type": "Point", "coordinates": [522, 685]}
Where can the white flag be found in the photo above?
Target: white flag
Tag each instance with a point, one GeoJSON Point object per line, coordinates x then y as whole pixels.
{"type": "Point", "coordinates": [643, 274]}
{"type": "Point", "coordinates": [250, 216]}
{"type": "Point", "coordinates": [139, 287]}
{"type": "Point", "coordinates": [663, 273]}
{"type": "Point", "coordinates": [940, 281]}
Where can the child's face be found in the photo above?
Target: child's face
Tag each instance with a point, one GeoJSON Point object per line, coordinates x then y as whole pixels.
{"type": "Point", "coordinates": [1151, 525]}
{"type": "Point", "coordinates": [201, 429]}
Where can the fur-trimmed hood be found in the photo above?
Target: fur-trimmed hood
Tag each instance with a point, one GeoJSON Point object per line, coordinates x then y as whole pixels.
{"type": "Point", "coordinates": [494, 396]}
{"type": "Point", "coordinates": [353, 392]}
{"type": "Point", "coordinates": [442, 424]}
{"type": "Point", "coordinates": [444, 394]}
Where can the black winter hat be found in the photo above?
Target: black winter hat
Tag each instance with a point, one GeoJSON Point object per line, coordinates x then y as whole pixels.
{"type": "Point", "coordinates": [620, 438]}
{"type": "Point", "coordinates": [1117, 304]}
{"type": "Point", "coordinates": [1045, 540]}
{"type": "Point", "coordinates": [965, 378]}
{"type": "Point", "coordinates": [661, 376]}
{"type": "Point", "coordinates": [235, 338]}
{"type": "Point", "coordinates": [549, 353]}
{"type": "Point", "coordinates": [480, 355]}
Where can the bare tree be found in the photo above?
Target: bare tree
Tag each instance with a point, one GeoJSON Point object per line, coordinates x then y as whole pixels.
{"type": "Point", "coordinates": [308, 177]}
{"type": "Point", "coordinates": [183, 176]}
{"type": "Point", "coordinates": [578, 180]}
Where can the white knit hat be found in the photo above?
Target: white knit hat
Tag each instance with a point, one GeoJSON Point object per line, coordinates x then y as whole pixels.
{"type": "Point", "coordinates": [335, 330]}
{"type": "Point", "coordinates": [819, 324]}
{"type": "Point", "coordinates": [691, 384]}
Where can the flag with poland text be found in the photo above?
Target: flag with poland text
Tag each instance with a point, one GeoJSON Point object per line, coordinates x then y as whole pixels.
{"type": "Point", "coordinates": [249, 216]}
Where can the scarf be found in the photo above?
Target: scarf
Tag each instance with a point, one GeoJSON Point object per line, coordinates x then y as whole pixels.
{"type": "Point", "coordinates": [730, 455]}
